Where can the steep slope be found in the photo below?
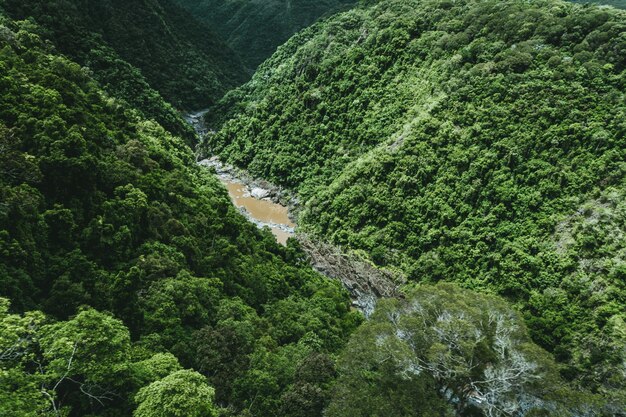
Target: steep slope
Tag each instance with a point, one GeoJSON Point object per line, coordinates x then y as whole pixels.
{"type": "Point", "coordinates": [255, 28]}
{"type": "Point", "coordinates": [480, 142]}
{"type": "Point", "coordinates": [178, 56]}
{"type": "Point", "coordinates": [102, 211]}
{"type": "Point", "coordinates": [620, 4]}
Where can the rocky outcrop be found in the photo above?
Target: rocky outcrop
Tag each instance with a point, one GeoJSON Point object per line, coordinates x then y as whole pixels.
{"type": "Point", "coordinates": [196, 120]}
{"type": "Point", "coordinates": [365, 282]}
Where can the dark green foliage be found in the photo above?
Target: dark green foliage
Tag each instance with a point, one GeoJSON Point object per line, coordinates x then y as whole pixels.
{"type": "Point", "coordinates": [179, 57]}
{"type": "Point", "coordinates": [103, 210]}
{"type": "Point", "coordinates": [255, 28]}
{"type": "Point", "coordinates": [620, 4]}
{"type": "Point", "coordinates": [465, 141]}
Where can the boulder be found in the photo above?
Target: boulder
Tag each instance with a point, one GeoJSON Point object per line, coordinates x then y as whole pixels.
{"type": "Point", "coordinates": [259, 193]}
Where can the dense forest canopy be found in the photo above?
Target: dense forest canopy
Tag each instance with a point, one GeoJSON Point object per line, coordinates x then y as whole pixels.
{"type": "Point", "coordinates": [473, 147]}
{"type": "Point", "coordinates": [480, 142]}
{"type": "Point", "coordinates": [255, 28]}
{"type": "Point", "coordinates": [620, 4]}
{"type": "Point", "coordinates": [124, 263]}
{"type": "Point", "coordinates": [177, 55]}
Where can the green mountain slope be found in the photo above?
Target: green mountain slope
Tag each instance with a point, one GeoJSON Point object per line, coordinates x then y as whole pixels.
{"type": "Point", "coordinates": [135, 254]}
{"type": "Point", "coordinates": [480, 142]}
{"type": "Point", "coordinates": [620, 4]}
{"type": "Point", "coordinates": [178, 56]}
{"type": "Point", "coordinates": [255, 28]}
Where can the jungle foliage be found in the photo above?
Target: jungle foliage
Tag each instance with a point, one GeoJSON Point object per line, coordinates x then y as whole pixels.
{"type": "Point", "coordinates": [620, 4]}
{"type": "Point", "coordinates": [129, 282]}
{"type": "Point", "coordinates": [476, 142]}
{"type": "Point", "coordinates": [255, 28]}
{"type": "Point", "coordinates": [168, 51]}
{"type": "Point", "coordinates": [474, 146]}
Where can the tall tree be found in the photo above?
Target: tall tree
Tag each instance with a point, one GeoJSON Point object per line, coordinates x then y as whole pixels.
{"type": "Point", "coordinates": [442, 344]}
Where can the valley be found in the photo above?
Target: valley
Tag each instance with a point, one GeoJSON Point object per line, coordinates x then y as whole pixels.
{"type": "Point", "coordinates": [383, 208]}
{"type": "Point", "coordinates": [261, 202]}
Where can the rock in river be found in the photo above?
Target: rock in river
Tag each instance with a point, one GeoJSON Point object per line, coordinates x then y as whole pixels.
{"type": "Point", "coordinates": [259, 193]}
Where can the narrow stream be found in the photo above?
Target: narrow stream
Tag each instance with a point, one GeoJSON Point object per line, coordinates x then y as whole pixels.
{"type": "Point", "coordinates": [251, 199]}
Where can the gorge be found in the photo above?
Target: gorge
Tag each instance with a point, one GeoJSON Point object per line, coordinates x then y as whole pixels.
{"type": "Point", "coordinates": [399, 208]}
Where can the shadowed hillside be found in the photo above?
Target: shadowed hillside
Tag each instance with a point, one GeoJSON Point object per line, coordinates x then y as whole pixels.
{"type": "Point", "coordinates": [177, 56]}
{"type": "Point", "coordinates": [255, 28]}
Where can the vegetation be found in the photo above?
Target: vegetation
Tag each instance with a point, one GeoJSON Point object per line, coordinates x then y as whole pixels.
{"type": "Point", "coordinates": [126, 266]}
{"type": "Point", "coordinates": [255, 28]}
{"type": "Point", "coordinates": [168, 50]}
{"type": "Point", "coordinates": [441, 350]}
{"type": "Point", "coordinates": [479, 142]}
{"type": "Point", "coordinates": [475, 147]}
{"type": "Point", "coordinates": [182, 393]}
{"type": "Point", "coordinates": [620, 4]}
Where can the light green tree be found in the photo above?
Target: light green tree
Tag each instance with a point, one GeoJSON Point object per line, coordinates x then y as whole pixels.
{"type": "Point", "coordinates": [82, 358]}
{"type": "Point", "coordinates": [183, 393]}
{"type": "Point", "coordinates": [19, 390]}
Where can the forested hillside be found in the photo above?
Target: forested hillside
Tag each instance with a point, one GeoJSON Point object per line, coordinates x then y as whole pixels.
{"type": "Point", "coordinates": [255, 28]}
{"type": "Point", "coordinates": [620, 4]}
{"type": "Point", "coordinates": [123, 266]}
{"type": "Point", "coordinates": [475, 147]}
{"type": "Point", "coordinates": [171, 52]}
{"type": "Point", "coordinates": [476, 142]}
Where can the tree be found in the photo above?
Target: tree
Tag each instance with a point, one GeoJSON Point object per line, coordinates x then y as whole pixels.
{"type": "Point", "coordinates": [183, 393]}
{"type": "Point", "coordinates": [173, 305]}
{"type": "Point", "coordinates": [310, 393]}
{"type": "Point", "coordinates": [52, 368]}
{"type": "Point", "coordinates": [19, 390]}
{"type": "Point", "coordinates": [83, 357]}
{"type": "Point", "coordinates": [221, 352]}
{"type": "Point", "coordinates": [471, 350]}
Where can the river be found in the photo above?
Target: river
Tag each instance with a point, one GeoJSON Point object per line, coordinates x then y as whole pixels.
{"type": "Point", "coordinates": [263, 212]}
{"type": "Point", "coordinates": [255, 199]}
{"type": "Point", "coordinates": [258, 201]}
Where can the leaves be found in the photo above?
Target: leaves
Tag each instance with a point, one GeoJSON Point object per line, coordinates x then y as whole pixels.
{"type": "Point", "coordinates": [467, 349]}
{"type": "Point", "coordinates": [182, 393]}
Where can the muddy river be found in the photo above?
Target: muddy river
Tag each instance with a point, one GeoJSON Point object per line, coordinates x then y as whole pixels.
{"type": "Point", "coordinates": [263, 212]}
{"type": "Point", "coordinates": [254, 202]}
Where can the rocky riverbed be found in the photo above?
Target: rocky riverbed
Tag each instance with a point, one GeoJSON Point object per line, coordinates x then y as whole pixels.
{"type": "Point", "coordinates": [258, 188]}
{"type": "Point", "coordinates": [260, 201]}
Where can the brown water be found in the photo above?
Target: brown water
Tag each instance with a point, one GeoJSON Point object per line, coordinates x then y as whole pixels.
{"type": "Point", "coordinates": [264, 212]}
{"type": "Point", "coordinates": [260, 212]}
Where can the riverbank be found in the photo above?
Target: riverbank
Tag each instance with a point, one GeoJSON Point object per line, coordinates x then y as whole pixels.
{"type": "Point", "coordinates": [263, 203]}
{"type": "Point", "coordinates": [258, 188]}
{"type": "Point", "coordinates": [268, 205]}
{"type": "Point", "coordinates": [260, 201]}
